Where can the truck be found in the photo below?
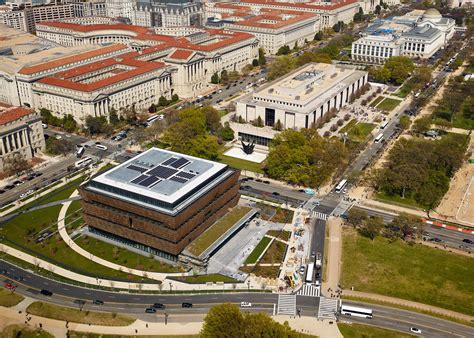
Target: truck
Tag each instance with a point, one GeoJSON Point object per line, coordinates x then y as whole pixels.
{"type": "Point", "coordinates": [318, 260]}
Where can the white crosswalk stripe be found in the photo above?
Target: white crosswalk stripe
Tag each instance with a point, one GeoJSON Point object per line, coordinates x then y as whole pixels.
{"type": "Point", "coordinates": [320, 215]}
{"type": "Point", "coordinates": [286, 305]}
{"type": "Point", "coordinates": [309, 290]}
{"type": "Point", "coordinates": [328, 307]}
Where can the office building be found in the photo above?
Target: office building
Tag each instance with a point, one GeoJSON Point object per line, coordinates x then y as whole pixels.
{"type": "Point", "coordinates": [159, 201]}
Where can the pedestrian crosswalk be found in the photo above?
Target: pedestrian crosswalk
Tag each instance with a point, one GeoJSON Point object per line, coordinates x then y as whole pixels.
{"type": "Point", "coordinates": [320, 215]}
{"type": "Point", "coordinates": [328, 308]}
{"type": "Point", "coordinates": [309, 290]}
{"type": "Point", "coordinates": [286, 305]}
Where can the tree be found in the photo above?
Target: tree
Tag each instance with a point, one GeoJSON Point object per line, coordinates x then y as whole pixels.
{"type": "Point", "coordinates": [259, 122]}
{"type": "Point", "coordinates": [152, 109]}
{"type": "Point", "coordinates": [15, 164]}
{"type": "Point", "coordinates": [283, 50]}
{"type": "Point", "coordinates": [113, 117]}
{"type": "Point", "coordinates": [59, 147]}
{"type": "Point", "coordinates": [356, 217]}
{"type": "Point", "coordinates": [224, 76]}
{"type": "Point", "coordinates": [261, 57]}
{"type": "Point", "coordinates": [212, 118]}
{"type": "Point", "coordinates": [318, 36]}
{"type": "Point", "coordinates": [280, 66]}
{"type": "Point", "coordinates": [371, 227]}
{"type": "Point", "coordinates": [215, 78]}
{"type": "Point", "coordinates": [409, 225]}
{"type": "Point", "coordinates": [162, 101]}
{"type": "Point", "coordinates": [255, 63]}
{"type": "Point", "coordinates": [400, 68]}
{"type": "Point", "coordinates": [359, 16]}
{"type": "Point", "coordinates": [68, 123]}
{"type": "Point", "coordinates": [405, 122]}
{"type": "Point", "coordinates": [226, 132]}
{"type": "Point", "coordinates": [174, 98]}
{"type": "Point", "coordinates": [278, 125]}
{"type": "Point", "coordinates": [422, 124]}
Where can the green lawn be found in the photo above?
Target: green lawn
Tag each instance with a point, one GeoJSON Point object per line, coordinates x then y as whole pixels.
{"type": "Point", "coordinates": [360, 131]}
{"type": "Point", "coordinates": [258, 250]}
{"type": "Point", "coordinates": [275, 214]}
{"type": "Point", "coordinates": [414, 272]}
{"type": "Point", "coordinates": [23, 331]}
{"type": "Point", "coordinates": [122, 256]}
{"type": "Point", "coordinates": [242, 164]}
{"type": "Point", "coordinates": [388, 104]}
{"type": "Point", "coordinates": [24, 229]}
{"type": "Point", "coordinates": [75, 316]}
{"type": "Point", "coordinates": [398, 200]}
{"type": "Point", "coordinates": [200, 279]}
{"type": "Point", "coordinates": [9, 299]}
{"type": "Point", "coordinates": [366, 331]}
{"type": "Point", "coordinates": [208, 237]}
{"type": "Point", "coordinates": [75, 334]}
{"type": "Point", "coordinates": [462, 122]}
{"type": "Point", "coordinates": [375, 102]}
{"type": "Point", "coordinates": [348, 126]}
{"type": "Point", "coordinates": [404, 90]}
{"type": "Point", "coordinates": [284, 235]}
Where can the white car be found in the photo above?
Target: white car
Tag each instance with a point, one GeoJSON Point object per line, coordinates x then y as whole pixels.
{"type": "Point", "coordinates": [245, 304]}
{"type": "Point", "coordinates": [45, 126]}
{"type": "Point", "coordinates": [415, 330]}
{"type": "Point", "coordinates": [101, 147]}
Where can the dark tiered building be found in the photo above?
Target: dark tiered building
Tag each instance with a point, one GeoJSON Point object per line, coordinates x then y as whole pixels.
{"type": "Point", "coordinates": [159, 201]}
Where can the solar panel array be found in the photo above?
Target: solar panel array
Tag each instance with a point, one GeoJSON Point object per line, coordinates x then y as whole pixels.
{"type": "Point", "coordinates": [169, 169]}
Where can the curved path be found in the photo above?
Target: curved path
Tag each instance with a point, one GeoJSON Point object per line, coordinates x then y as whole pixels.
{"type": "Point", "coordinates": [65, 236]}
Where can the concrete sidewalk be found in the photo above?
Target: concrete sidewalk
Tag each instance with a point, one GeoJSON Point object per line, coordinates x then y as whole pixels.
{"type": "Point", "coordinates": [334, 254]}
{"type": "Point", "coordinates": [408, 303]}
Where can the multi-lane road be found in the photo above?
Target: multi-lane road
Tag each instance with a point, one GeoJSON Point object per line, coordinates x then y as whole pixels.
{"type": "Point", "coordinates": [135, 304]}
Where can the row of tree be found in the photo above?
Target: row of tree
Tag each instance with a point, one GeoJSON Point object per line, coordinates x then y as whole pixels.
{"type": "Point", "coordinates": [404, 226]}
{"type": "Point", "coordinates": [420, 169]}
{"type": "Point", "coordinates": [395, 70]}
{"type": "Point", "coordinates": [304, 157]}
{"type": "Point", "coordinates": [227, 321]}
{"type": "Point", "coordinates": [67, 122]}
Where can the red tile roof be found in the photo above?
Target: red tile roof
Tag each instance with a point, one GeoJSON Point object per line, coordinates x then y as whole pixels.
{"type": "Point", "coordinates": [9, 113]}
{"type": "Point", "coordinates": [71, 59]}
{"type": "Point", "coordinates": [181, 54]}
{"type": "Point", "coordinates": [307, 5]}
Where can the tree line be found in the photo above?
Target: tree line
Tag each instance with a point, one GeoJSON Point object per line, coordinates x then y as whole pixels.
{"type": "Point", "coordinates": [420, 169]}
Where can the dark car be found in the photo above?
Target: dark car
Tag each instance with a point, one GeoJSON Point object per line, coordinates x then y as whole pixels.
{"type": "Point", "coordinates": [98, 302]}
{"type": "Point", "coordinates": [275, 193]}
{"type": "Point", "coordinates": [159, 306]}
{"type": "Point", "coordinates": [266, 182]}
{"type": "Point", "coordinates": [187, 305]}
{"type": "Point", "coordinates": [46, 293]}
{"type": "Point", "coordinates": [435, 239]}
{"type": "Point", "coordinates": [467, 240]}
{"type": "Point", "coordinates": [2, 191]}
{"type": "Point", "coordinates": [150, 310]}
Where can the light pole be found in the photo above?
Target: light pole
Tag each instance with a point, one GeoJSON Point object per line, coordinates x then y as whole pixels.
{"type": "Point", "coordinates": [248, 284]}
{"type": "Point", "coordinates": [171, 287]}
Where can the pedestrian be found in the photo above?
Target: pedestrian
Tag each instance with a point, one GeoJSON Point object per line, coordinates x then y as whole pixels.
{"type": "Point", "coordinates": [146, 325]}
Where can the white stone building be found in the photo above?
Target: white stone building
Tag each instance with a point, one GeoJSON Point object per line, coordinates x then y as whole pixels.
{"type": "Point", "coordinates": [21, 132]}
{"type": "Point", "coordinates": [300, 99]}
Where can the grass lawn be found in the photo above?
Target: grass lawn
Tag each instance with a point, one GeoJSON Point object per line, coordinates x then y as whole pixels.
{"type": "Point", "coordinates": [24, 229]}
{"type": "Point", "coordinates": [199, 279]}
{"type": "Point", "coordinates": [122, 256]}
{"type": "Point", "coordinates": [397, 200]}
{"type": "Point", "coordinates": [275, 253]}
{"type": "Point", "coordinates": [237, 163]}
{"type": "Point", "coordinates": [258, 250]}
{"type": "Point", "coordinates": [76, 316]}
{"type": "Point", "coordinates": [275, 214]}
{"type": "Point", "coordinates": [23, 331]}
{"type": "Point", "coordinates": [367, 331]}
{"type": "Point", "coordinates": [262, 271]}
{"type": "Point", "coordinates": [284, 235]}
{"type": "Point", "coordinates": [418, 273]}
{"type": "Point", "coordinates": [404, 90]}
{"type": "Point", "coordinates": [461, 122]}
{"type": "Point", "coordinates": [205, 240]}
{"type": "Point", "coordinates": [360, 131]}
{"type": "Point", "coordinates": [9, 299]}
{"type": "Point", "coordinates": [348, 126]}
{"type": "Point", "coordinates": [388, 104]}
{"type": "Point", "coordinates": [375, 102]}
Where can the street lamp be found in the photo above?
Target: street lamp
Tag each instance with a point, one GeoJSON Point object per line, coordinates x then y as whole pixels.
{"type": "Point", "coordinates": [171, 287]}
{"type": "Point", "coordinates": [248, 284]}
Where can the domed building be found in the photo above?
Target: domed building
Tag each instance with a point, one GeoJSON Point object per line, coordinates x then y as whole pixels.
{"type": "Point", "coordinates": [433, 18]}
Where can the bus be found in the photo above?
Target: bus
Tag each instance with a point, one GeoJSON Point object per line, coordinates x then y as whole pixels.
{"type": "Point", "coordinates": [341, 185]}
{"type": "Point", "coordinates": [153, 119]}
{"type": "Point", "coordinates": [309, 273]}
{"type": "Point", "coordinates": [84, 162]}
{"type": "Point", "coordinates": [80, 151]}
{"type": "Point", "coordinates": [384, 125]}
{"type": "Point", "coordinates": [356, 311]}
{"type": "Point", "coordinates": [379, 138]}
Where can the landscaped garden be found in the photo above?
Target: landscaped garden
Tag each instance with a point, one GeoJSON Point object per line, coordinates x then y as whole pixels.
{"type": "Point", "coordinates": [258, 250]}
{"type": "Point", "coordinates": [414, 272]}
{"type": "Point", "coordinates": [388, 104]}
{"type": "Point", "coordinates": [366, 331]}
{"type": "Point", "coordinates": [8, 298]}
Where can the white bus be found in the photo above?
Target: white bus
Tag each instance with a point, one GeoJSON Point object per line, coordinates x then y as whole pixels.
{"type": "Point", "coordinates": [379, 138]}
{"type": "Point", "coordinates": [341, 185]}
{"type": "Point", "coordinates": [82, 163]}
{"type": "Point", "coordinates": [309, 273]}
{"type": "Point", "coordinates": [356, 311]}
{"type": "Point", "coordinates": [384, 125]}
{"type": "Point", "coordinates": [80, 151]}
{"type": "Point", "coordinates": [153, 119]}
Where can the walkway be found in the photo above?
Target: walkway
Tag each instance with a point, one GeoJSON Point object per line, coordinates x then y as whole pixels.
{"type": "Point", "coordinates": [408, 303]}
{"type": "Point", "coordinates": [334, 254]}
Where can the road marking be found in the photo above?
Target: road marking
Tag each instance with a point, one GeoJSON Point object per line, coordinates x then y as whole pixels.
{"type": "Point", "coordinates": [419, 325]}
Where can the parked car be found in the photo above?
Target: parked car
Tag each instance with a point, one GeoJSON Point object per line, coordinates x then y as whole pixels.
{"type": "Point", "coordinates": [9, 286]}
{"type": "Point", "coordinates": [187, 305]}
{"type": "Point", "coordinates": [46, 293]}
{"type": "Point", "coordinates": [150, 310]}
{"type": "Point", "coordinates": [415, 330]}
{"type": "Point", "coordinates": [98, 302]}
{"type": "Point", "coordinates": [467, 240]}
{"type": "Point", "coordinates": [159, 306]}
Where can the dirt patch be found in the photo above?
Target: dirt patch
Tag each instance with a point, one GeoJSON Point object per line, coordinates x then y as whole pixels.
{"type": "Point", "coordinates": [457, 203]}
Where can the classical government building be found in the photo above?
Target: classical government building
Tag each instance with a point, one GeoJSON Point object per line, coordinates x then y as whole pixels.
{"type": "Point", "coordinates": [21, 132]}
{"type": "Point", "coordinates": [159, 201]}
{"type": "Point", "coordinates": [418, 34]}
{"type": "Point", "coordinates": [299, 100]}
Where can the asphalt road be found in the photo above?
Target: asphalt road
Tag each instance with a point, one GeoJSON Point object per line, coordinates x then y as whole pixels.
{"type": "Point", "coordinates": [135, 304]}
{"type": "Point", "coordinates": [402, 320]}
